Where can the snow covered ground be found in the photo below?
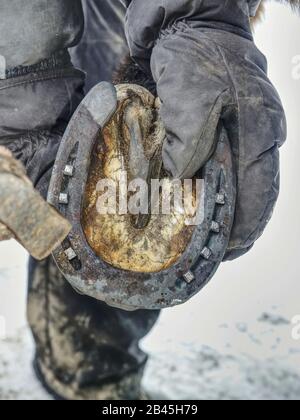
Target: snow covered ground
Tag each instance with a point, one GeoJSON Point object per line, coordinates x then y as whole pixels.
{"type": "Point", "coordinates": [194, 354]}
{"type": "Point", "coordinates": [244, 361]}
{"type": "Point", "coordinates": [235, 339]}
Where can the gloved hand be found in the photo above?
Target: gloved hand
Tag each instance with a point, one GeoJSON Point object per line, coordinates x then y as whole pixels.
{"type": "Point", "coordinates": [31, 139]}
{"type": "Point", "coordinates": [41, 88]}
{"type": "Point", "coordinates": [209, 72]}
{"type": "Point", "coordinates": [39, 91]}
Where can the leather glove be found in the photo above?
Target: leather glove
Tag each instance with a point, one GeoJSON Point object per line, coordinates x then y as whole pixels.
{"type": "Point", "coordinates": [208, 71]}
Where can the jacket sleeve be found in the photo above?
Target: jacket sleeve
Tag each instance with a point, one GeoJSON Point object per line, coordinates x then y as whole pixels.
{"type": "Point", "coordinates": [34, 30]}
{"type": "Point", "coordinates": [39, 87]}
{"type": "Point", "coordinates": [147, 20]}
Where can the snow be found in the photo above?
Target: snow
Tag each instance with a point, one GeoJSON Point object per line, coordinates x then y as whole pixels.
{"type": "Point", "coordinates": [249, 362]}
{"type": "Point", "coordinates": [17, 379]}
{"type": "Point", "coordinates": [246, 361]}
{"type": "Point", "coordinates": [235, 339]}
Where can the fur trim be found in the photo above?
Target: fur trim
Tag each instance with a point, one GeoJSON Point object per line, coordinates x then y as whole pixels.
{"type": "Point", "coordinates": [130, 72]}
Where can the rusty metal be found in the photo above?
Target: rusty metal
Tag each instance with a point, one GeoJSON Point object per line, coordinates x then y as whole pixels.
{"type": "Point", "coordinates": [84, 265]}
{"type": "Point", "coordinates": [24, 215]}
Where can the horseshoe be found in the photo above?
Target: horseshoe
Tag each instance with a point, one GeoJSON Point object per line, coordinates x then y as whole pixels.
{"type": "Point", "coordinates": [135, 261]}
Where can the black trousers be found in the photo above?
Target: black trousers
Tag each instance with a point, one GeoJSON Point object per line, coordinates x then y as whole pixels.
{"type": "Point", "coordinates": [84, 348]}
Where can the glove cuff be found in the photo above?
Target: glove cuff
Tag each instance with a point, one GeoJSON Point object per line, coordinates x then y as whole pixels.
{"type": "Point", "coordinates": [35, 101]}
{"type": "Point", "coordinates": [34, 98]}
{"type": "Point", "coordinates": [59, 59]}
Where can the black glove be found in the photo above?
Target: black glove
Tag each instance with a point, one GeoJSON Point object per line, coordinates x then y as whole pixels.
{"type": "Point", "coordinates": [39, 91]}
{"type": "Point", "coordinates": [41, 88]}
{"type": "Point", "coordinates": [208, 71]}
